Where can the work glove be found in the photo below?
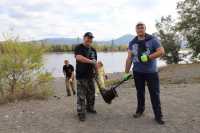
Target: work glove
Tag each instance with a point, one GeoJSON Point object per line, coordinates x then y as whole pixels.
{"type": "Point", "coordinates": [126, 76]}
{"type": "Point", "coordinates": [94, 62]}
{"type": "Point", "coordinates": [144, 58]}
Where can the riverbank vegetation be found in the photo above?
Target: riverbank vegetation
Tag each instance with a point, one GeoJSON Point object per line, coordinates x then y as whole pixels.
{"type": "Point", "coordinates": [21, 74]}
{"type": "Point", "coordinates": [70, 48]}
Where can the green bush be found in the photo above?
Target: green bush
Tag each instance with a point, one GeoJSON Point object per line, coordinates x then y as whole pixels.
{"type": "Point", "coordinates": [21, 74]}
{"type": "Point", "coordinates": [189, 23]}
{"type": "Point", "coordinates": [169, 39]}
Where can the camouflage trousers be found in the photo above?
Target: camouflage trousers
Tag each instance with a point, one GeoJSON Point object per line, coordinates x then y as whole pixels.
{"type": "Point", "coordinates": [85, 95]}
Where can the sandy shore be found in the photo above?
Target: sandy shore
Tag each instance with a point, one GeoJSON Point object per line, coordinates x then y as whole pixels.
{"type": "Point", "coordinates": [180, 96]}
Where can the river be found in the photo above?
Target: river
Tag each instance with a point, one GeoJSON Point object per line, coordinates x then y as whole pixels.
{"type": "Point", "coordinates": [113, 62]}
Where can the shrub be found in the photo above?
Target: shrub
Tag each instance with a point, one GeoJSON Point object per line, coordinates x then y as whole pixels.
{"type": "Point", "coordinates": [169, 39]}
{"type": "Point", "coordinates": [21, 74]}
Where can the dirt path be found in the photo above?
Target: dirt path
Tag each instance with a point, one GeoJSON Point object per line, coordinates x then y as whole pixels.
{"type": "Point", "coordinates": [180, 101]}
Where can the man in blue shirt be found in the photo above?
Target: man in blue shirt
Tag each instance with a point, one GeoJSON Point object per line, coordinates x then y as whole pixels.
{"type": "Point", "coordinates": [143, 51]}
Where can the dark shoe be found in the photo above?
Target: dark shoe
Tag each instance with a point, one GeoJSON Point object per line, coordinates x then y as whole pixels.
{"type": "Point", "coordinates": [56, 97]}
{"type": "Point", "coordinates": [92, 111]}
{"type": "Point", "coordinates": [137, 115]}
{"type": "Point", "coordinates": [160, 121]}
{"type": "Point", "coordinates": [81, 117]}
{"type": "Point", "coordinates": [74, 93]}
{"type": "Point", "coordinates": [68, 95]}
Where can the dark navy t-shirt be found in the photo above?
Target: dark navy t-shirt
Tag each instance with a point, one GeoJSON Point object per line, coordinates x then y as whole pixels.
{"type": "Point", "coordinates": [151, 44]}
{"type": "Point", "coordinates": [85, 70]}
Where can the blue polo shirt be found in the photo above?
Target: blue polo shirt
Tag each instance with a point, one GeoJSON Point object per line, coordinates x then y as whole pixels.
{"type": "Point", "coordinates": [151, 44]}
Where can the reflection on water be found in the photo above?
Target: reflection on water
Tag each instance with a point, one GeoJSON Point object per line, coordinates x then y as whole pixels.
{"type": "Point", "coordinates": [113, 61]}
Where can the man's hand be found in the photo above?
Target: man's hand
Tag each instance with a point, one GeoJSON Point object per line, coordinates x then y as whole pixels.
{"type": "Point", "coordinates": [145, 58]}
{"type": "Point", "coordinates": [126, 76]}
{"type": "Point", "coordinates": [72, 76]}
{"type": "Point", "coordinates": [94, 62]}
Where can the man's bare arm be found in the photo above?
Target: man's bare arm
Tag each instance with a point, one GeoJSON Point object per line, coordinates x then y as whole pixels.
{"type": "Point", "coordinates": [64, 72]}
{"type": "Point", "coordinates": [128, 62]}
{"type": "Point", "coordinates": [83, 59]}
{"type": "Point", "coordinates": [72, 76]}
{"type": "Point", "coordinates": [159, 52]}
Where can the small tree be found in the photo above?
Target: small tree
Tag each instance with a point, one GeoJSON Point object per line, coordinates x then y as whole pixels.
{"type": "Point", "coordinates": [20, 70]}
{"type": "Point", "coordinates": [189, 23]}
{"type": "Point", "coordinates": [169, 39]}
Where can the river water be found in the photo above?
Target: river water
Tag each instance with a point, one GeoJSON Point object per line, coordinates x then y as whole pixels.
{"type": "Point", "coordinates": [113, 62]}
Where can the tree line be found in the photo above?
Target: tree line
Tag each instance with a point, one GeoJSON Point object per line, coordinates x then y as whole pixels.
{"type": "Point", "coordinates": [70, 48]}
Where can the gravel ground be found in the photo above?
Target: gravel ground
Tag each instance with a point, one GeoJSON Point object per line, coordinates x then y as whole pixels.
{"type": "Point", "coordinates": [180, 96]}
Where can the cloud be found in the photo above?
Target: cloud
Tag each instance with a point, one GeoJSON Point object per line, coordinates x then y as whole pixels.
{"type": "Point", "coordinates": [36, 19]}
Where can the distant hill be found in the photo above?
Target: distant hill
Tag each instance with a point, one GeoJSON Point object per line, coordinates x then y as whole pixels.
{"type": "Point", "coordinates": [71, 41]}
{"type": "Point", "coordinates": [125, 39]}
{"type": "Point", "coordinates": [56, 41]}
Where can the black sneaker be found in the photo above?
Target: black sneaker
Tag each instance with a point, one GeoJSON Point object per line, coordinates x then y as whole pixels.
{"type": "Point", "coordinates": [137, 115]}
{"type": "Point", "coordinates": [92, 111]}
{"type": "Point", "coordinates": [74, 93]}
{"type": "Point", "coordinates": [81, 117]}
{"type": "Point", "coordinates": [160, 121]}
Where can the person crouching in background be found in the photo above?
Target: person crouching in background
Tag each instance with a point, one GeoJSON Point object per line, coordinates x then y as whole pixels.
{"type": "Point", "coordinates": [68, 71]}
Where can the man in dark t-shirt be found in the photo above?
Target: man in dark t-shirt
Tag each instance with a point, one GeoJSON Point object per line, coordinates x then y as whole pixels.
{"type": "Point", "coordinates": [86, 58]}
{"type": "Point", "coordinates": [68, 71]}
{"type": "Point", "coordinates": [85, 70]}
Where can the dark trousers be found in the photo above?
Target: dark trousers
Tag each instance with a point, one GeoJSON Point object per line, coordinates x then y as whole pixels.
{"type": "Point", "coordinates": [152, 80]}
{"type": "Point", "coordinates": [85, 95]}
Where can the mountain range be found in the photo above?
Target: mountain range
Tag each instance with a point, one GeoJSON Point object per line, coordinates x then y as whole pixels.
{"type": "Point", "coordinates": [125, 39]}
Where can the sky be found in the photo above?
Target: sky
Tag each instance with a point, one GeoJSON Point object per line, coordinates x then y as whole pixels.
{"type": "Point", "coordinates": [107, 19]}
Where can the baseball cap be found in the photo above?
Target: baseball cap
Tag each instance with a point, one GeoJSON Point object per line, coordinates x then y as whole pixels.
{"type": "Point", "coordinates": [88, 34]}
